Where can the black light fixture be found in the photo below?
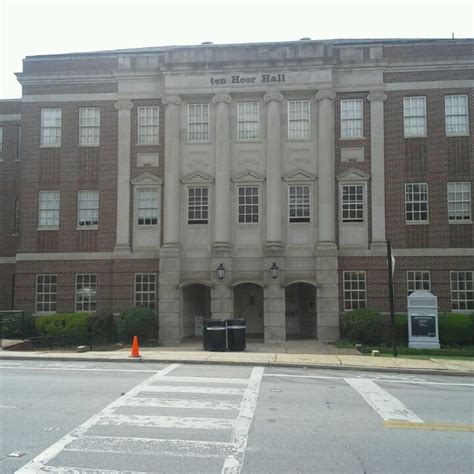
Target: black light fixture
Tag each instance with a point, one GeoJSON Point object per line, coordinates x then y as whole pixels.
{"type": "Point", "coordinates": [274, 270]}
{"type": "Point", "coordinates": [220, 271]}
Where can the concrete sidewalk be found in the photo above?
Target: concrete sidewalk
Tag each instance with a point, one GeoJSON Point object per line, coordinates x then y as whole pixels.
{"type": "Point", "coordinates": [303, 353]}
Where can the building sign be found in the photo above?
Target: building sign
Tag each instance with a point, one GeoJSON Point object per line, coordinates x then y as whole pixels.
{"type": "Point", "coordinates": [423, 325]}
{"type": "Point", "coordinates": [243, 80]}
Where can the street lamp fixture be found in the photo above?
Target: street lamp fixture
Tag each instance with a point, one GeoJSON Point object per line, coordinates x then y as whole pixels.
{"type": "Point", "coordinates": [220, 271]}
{"type": "Point", "coordinates": [274, 270]}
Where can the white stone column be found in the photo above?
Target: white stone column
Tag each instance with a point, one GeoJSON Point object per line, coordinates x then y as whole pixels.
{"type": "Point", "coordinates": [172, 187]}
{"type": "Point", "coordinates": [377, 168]}
{"type": "Point", "coordinates": [222, 167]}
{"type": "Point", "coordinates": [122, 243]}
{"type": "Point", "coordinates": [326, 170]}
{"type": "Point", "coordinates": [273, 172]}
{"type": "Point", "coordinates": [274, 316]}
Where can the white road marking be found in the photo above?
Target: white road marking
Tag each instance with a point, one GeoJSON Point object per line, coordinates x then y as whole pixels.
{"type": "Point", "coordinates": [38, 464]}
{"type": "Point", "coordinates": [207, 380]}
{"type": "Point", "coordinates": [386, 405]}
{"type": "Point", "coordinates": [234, 461]}
{"type": "Point", "coordinates": [180, 403]}
{"type": "Point", "coordinates": [189, 389]}
{"type": "Point", "coordinates": [150, 446]}
{"type": "Point", "coordinates": [165, 422]}
{"type": "Point", "coordinates": [85, 470]}
{"type": "Point", "coordinates": [75, 369]}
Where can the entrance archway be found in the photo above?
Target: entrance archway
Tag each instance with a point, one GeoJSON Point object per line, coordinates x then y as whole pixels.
{"type": "Point", "coordinates": [196, 303]}
{"type": "Point", "coordinates": [248, 305]}
{"type": "Point", "coordinates": [300, 310]}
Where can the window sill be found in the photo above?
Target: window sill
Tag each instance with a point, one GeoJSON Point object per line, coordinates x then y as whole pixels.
{"type": "Point", "coordinates": [418, 223]}
{"type": "Point", "coordinates": [146, 226]}
{"type": "Point", "coordinates": [451, 135]}
{"type": "Point", "coordinates": [352, 139]}
{"type": "Point", "coordinates": [39, 229]}
{"type": "Point", "coordinates": [307, 139]}
{"type": "Point", "coordinates": [203, 142]}
{"type": "Point", "coordinates": [415, 136]}
{"type": "Point", "coordinates": [89, 146]}
{"type": "Point", "coordinates": [147, 144]}
{"type": "Point", "coordinates": [85, 227]}
{"type": "Point", "coordinates": [50, 146]}
{"type": "Point", "coordinates": [248, 140]}
{"type": "Point", "coordinates": [460, 222]}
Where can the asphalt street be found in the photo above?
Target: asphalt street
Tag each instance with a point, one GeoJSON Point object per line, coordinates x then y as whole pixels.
{"type": "Point", "coordinates": [85, 417]}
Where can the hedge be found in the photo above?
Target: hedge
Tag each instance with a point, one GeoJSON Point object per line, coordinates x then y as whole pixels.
{"type": "Point", "coordinates": [367, 326]}
{"type": "Point", "coordinates": [141, 322]}
{"type": "Point", "coordinates": [73, 327]}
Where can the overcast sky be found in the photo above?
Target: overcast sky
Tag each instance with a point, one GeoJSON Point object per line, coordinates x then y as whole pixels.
{"type": "Point", "coordinates": [30, 27]}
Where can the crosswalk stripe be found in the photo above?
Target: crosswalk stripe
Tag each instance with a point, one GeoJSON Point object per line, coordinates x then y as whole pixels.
{"type": "Point", "coordinates": [192, 389]}
{"type": "Point", "coordinates": [166, 422]}
{"type": "Point", "coordinates": [150, 446]}
{"type": "Point", "coordinates": [181, 403]}
{"type": "Point", "coordinates": [385, 404]}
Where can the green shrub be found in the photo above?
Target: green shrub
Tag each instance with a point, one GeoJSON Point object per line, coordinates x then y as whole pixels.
{"type": "Point", "coordinates": [19, 327]}
{"type": "Point", "coordinates": [365, 326]}
{"type": "Point", "coordinates": [456, 329]}
{"type": "Point", "coordinates": [102, 327]}
{"type": "Point", "coordinates": [72, 327]}
{"type": "Point", "coordinates": [141, 322]}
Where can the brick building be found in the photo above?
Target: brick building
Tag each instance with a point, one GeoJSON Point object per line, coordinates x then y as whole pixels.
{"type": "Point", "coordinates": [129, 177]}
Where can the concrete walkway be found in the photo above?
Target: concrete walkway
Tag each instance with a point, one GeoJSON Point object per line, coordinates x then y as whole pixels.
{"type": "Point", "coordinates": [298, 353]}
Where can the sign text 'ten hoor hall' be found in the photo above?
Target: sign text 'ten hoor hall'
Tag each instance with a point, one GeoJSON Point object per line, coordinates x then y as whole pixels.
{"type": "Point", "coordinates": [263, 78]}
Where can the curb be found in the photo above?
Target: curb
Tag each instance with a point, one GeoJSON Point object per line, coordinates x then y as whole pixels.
{"type": "Point", "coordinates": [398, 370]}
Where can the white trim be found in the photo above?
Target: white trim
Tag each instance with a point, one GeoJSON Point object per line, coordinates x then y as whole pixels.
{"type": "Point", "coordinates": [69, 97]}
{"type": "Point", "coordinates": [61, 256]}
{"type": "Point", "coordinates": [10, 117]}
{"type": "Point", "coordinates": [407, 86]}
{"type": "Point", "coordinates": [7, 260]}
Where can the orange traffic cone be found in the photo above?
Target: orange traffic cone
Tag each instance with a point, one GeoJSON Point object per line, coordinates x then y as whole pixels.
{"type": "Point", "coordinates": [135, 350]}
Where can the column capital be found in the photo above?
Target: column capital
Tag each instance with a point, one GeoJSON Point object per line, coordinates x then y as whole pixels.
{"type": "Point", "coordinates": [222, 98]}
{"type": "Point", "coordinates": [377, 96]}
{"type": "Point", "coordinates": [273, 97]}
{"type": "Point", "coordinates": [171, 100]}
{"type": "Point", "coordinates": [123, 104]}
{"type": "Point", "coordinates": [325, 94]}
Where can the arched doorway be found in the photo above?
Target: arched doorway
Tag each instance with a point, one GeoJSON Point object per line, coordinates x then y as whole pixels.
{"type": "Point", "coordinates": [300, 310]}
{"type": "Point", "coordinates": [248, 305]}
{"type": "Point", "coordinates": [196, 303]}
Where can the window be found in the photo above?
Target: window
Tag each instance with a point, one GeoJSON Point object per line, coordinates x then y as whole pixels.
{"type": "Point", "coordinates": [86, 289]}
{"type": "Point", "coordinates": [416, 202]}
{"type": "Point", "coordinates": [353, 203]}
{"type": "Point", "coordinates": [248, 204]}
{"type": "Point", "coordinates": [145, 289]}
{"type": "Point", "coordinates": [51, 127]}
{"type": "Point", "coordinates": [459, 202]}
{"type": "Point", "coordinates": [46, 293]}
{"type": "Point", "coordinates": [248, 120]}
{"type": "Point", "coordinates": [418, 280]}
{"type": "Point", "coordinates": [457, 122]}
{"type": "Point", "coordinates": [48, 209]}
{"type": "Point", "coordinates": [89, 126]}
{"type": "Point", "coordinates": [198, 205]}
{"type": "Point", "coordinates": [352, 118]}
{"type": "Point", "coordinates": [88, 209]}
{"type": "Point", "coordinates": [414, 116]}
{"type": "Point", "coordinates": [148, 120]}
{"type": "Point", "coordinates": [298, 119]}
{"type": "Point", "coordinates": [354, 290]}
{"type": "Point", "coordinates": [298, 203]}
{"type": "Point", "coordinates": [1, 143]}
{"type": "Point", "coordinates": [147, 206]}
{"type": "Point", "coordinates": [198, 122]}
{"type": "Point", "coordinates": [462, 290]}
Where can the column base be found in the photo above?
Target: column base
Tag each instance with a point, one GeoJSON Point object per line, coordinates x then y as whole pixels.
{"type": "Point", "coordinates": [122, 249]}
{"type": "Point", "coordinates": [380, 245]}
{"type": "Point", "coordinates": [221, 247]}
{"type": "Point", "coordinates": [276, 246]}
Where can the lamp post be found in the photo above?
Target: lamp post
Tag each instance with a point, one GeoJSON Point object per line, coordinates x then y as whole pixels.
{"type": "Point", "coordinates": [220, 271]}
{"type": "Point", "coordinates": [274, 270]}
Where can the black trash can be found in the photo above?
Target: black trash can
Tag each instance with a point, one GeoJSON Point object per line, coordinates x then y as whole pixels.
{"type": "Point", "coordinates": [236, 340]}
{"type": "Point", "coordinates": [214, 335]}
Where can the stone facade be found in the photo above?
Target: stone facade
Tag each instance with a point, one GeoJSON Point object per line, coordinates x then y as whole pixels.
{"type": "Point", "coordinates": [254, 156]}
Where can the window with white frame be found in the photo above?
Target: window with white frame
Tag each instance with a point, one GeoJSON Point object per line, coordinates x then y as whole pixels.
{"type": "Point", "coordinates": [298, 119]}
{"type": "Point", "coordinates": [1, 143]}
{"type": "Point", "coordinates": [352, 115]}
{"type": "Point", "coordinates": [88, 208]}
{"type": "Point", "coordinates": [147, 206]}
{"type": "Point", "coordinates": [459, 202]}
{"type": "Point", "coordinates": [416, 202]}
{"type": "Point", "coordinates": [148, 125]}
{"type": "Point", "coordinates": [299, 203]}
{"type": "Point", "coordinates": [46, 293]}
{"type": "Point", "coordinates": [352, 203]}
{"type": "Point", "coordinates": [247, 119]}
{"type": "Point", "coordinates": [462, 290]}
{"type": "Point", "coordinates": [456, 114]}
{"type": "Point", "coordinates": [48, 209]}
{"type": "Point", "coordinates": [418, 280]}
{"type": "Point", "coordinates": [145, 289]}
{"type": "Point", "coordinates": [89, 126]}
{"type": "Point", "coordinates": [248, 204]}
{"type": "Point", "coordinates": [198, 122]}
{"type": "Point", "coordinates": [86, 292]}
{"type": "Point", "coordinates": [198, 205]}
{"type": "Point", "coordinates": [355, 294]}
{"type": "Point", "coordinates": [51, 120]}
{"type": "Point", "coordinates": [414, 116]}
